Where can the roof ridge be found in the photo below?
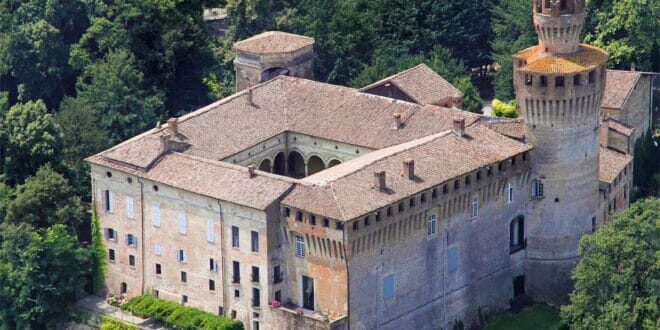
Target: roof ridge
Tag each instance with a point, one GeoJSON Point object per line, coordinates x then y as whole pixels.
{"type": "Point", "coordinates": [394, 76]}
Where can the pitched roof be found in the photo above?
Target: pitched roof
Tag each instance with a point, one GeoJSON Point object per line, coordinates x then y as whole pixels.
{"type": "Point", "coordinates": [619, 127]}
{"type": "Point", "coordinates": [585, 59]}
{"type": "Point", "coordinates": [345, 192]}
{"type": "Point", "coordinates": [273, 42]}
{"type": "Point", "coordinates": [421, 84]}
{"type": "Point", "coordinates": [618, 86]}
{"type": "Point", "coordinates": [612, 164]}
{"type": "Point", "coordinates": [513, 128]}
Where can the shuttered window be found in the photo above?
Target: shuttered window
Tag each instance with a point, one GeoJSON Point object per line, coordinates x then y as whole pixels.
{"type": "Point", "coordinates": [182, 221]}
{"type": "Point", "coordinates": [210, 231]}
{"type": "Point", "coordinates": [155, 214]}
{"type": "Point", "coordinates": [130, 213]}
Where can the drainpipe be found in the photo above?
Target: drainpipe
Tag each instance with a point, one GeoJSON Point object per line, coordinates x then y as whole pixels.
{"type": "Point", "coordinates": [142, 248]}
{"type": "Point", "coordinates": [222, 260]}
{"type": "Point", "coordinates": [444, 276]}
{"type": "Point", "coordinates": [348, 281]}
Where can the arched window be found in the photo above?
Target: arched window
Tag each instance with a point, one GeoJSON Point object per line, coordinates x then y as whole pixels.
{"type": "Point", "coordinates": [123, 288]}
{"type": "Point", "coordinates": [517, 234]}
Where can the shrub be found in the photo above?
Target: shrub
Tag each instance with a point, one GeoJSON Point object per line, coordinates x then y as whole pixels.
{"type": "Point", "coordinates": [98, 250]}
{"type": "Point", "coordinates": [178, 316]}
{"type": "Point", "coordinates": [109, 323]}
{"type": "Point", "coordinates": [505, 109]}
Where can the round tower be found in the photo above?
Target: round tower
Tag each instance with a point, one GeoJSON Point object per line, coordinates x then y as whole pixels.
{"type": "Point", "coordinates": [559, 84]}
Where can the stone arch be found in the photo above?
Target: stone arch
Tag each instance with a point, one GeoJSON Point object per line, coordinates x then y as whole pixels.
{"type": "Point", "coordinates": [296, 164]}
{"type": "Point", "coordinates": [315, 164]}
{"type": "Point", "coordinates": [279, 164]}
{"type": "Point", "coordinates": [334, 162]}
{"type": "Point", "coordinates": [271, 73]}
{"type": "Point", "coordinates": [265, 165]}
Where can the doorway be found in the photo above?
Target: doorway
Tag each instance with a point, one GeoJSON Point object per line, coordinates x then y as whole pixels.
{"type": "Point", "coordinates": [308, 292]}
{"type": "Point", "coordinates": [519, 286]}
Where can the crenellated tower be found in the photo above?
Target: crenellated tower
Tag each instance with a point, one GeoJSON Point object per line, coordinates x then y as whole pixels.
{"type": "Point", "coordinates": [559, 84]}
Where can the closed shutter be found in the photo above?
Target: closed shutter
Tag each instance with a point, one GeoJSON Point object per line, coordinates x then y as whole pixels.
{"type": "Point", "coordinates": [182, 221]}
{"type": "Point", "coordinates": [210, 234]}
{"type": "Point", "coordinates": [155, 214]}
{"type": "Point", "coordinates": [129, 208]}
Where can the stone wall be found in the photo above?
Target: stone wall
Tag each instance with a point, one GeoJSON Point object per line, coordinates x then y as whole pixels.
{"type": "Point", "coordinates": [636, 111]}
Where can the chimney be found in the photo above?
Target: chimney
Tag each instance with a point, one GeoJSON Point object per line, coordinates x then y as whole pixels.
{"type": "Point", "coordinates": [633, 66]}
{"type": "Point", "coordinates": [165, 143]}
{"type": "Point", "coordinates": [379, 180]}
{"type": "Point", "coordinates": [158, 125]}
{"type": "Point", "coordinates": [398, 122]}
{"type": "Point", "coordinates": [604, 131]}
{"type": "Point", "coordinates": [173, 126]}
{"type": "Point", "coordinates": [409, 168]}
{"type": "Point", "coordinates": [249, 97]}
{"type": "Point", "coordinates": [459, 126]}
{"type": "Point", "coordinates": [251, 169]}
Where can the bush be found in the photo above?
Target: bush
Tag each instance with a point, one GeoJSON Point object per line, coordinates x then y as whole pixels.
{"type": "Point", "coordinates": [109, 323]}
{"type": "Point", "coordinates": [507, 110]}
{"type": "Point", "coordinates": [178, 316]}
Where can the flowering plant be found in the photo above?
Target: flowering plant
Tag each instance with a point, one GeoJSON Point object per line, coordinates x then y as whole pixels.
{"type": "Point", "coordinates": [299, 311]}
{"type": "Point", "coordinates": [275, 303]}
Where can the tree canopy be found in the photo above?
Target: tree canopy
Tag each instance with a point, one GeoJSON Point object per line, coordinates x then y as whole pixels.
{"type": "Point", "coordinates": [618, 276]}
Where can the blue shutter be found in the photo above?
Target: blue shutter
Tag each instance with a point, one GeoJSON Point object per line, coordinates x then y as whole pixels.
{"type": "Point", "coordinates": [452, 259]}
{"type": "Point", "coordinates": [388, 287]}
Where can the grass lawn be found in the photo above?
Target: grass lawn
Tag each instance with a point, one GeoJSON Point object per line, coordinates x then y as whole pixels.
{"type": "Point", "coordinates": [536, 317]}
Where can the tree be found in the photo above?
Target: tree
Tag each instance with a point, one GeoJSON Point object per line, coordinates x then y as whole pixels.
{"type": "Point", "coordinates": [513, 32]}
{"type": "Point", "coordinates": [44, 200]}
{"type": "Point", "coordinates": [505, 109]}
{"type": "Point", "coordinates": [646, 164]}
{"type": "Point", "coordinates": [627, 30]}
{"type": "Point", "coordinates": [40, 270]}
{"type": "Point", "coordinates": [617, 278]}
{"type": "Point", "coordinates": [116, 90]}
{"type": "Point", "coordinates": [82, 137]}
{"type": "Point", "coordinates": [31, 138]}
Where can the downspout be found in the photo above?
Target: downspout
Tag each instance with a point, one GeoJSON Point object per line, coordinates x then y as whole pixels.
{"type": "Point", "coordinates": [444, 276]}
{"type": "Point", "coordinates": [348, 281]}
{"type": "Point", "coordinates": [222, 261]}
{"type": "Point", "coordinates": [142, 246]}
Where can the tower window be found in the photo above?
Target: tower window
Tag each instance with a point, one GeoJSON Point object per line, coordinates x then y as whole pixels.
{"type": "Point", "coordinates": [544, 81]}
{"type": "Point", "coordinates": [592, 77]}
{"type": "Point", "coordinates": [559, 81]}
{"type": "Point", "coordinates": [563, 4]}
{"type": "Point", "coordinates": [528, 80]}
{"type": "Point", "coordinates": [537, 188]}
{"type": "Point", "coordinates": [576, 80]}
{"type": "Point", "coordinates": [517, 234]}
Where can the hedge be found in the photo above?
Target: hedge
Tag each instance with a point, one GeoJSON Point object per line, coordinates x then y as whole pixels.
{"type": "Point", "coordinates": [109, 323]}
{"type": "Point", "coordinates": [98, 250]}
{"type": "Point", "coordinates": [178, 316]}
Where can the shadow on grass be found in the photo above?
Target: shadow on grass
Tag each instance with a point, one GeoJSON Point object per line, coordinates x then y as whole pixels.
{"type": "Point", "coordinates": [535, 317]}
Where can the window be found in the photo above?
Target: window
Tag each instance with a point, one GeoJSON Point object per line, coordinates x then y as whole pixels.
{"type": "Point", "coordinates": [234, 236]}
{"type": "Point", "coordinates": [474, 208]}
{"type": "Point", "coordinates": [233, 314]}
{"type": "Point", "coordinates": [255, 241]}
{"type": "Point", "coordinates": [432, 224]}
{"type": "Point", "coordinates": [339, 225]}
{"type": "Point", "coordinates": [256, 297]}
{"type": "Point", "coordinates": [489, 171]}
{"type": "Point", "coordinates": [155, 214]}
{"type": "Point", "coordinates": [389, 211]}
{"type": "Point", "coordinates": [366, 221]}
{"type": "Point", "coordinates": [517, 234]}
{"type": "Point", "coordinates": [559, 81]}
{"type": "Point", "coordinates": [300, 246]}
{"type": "Point", "coordinates": [210, 231]}
{"type": "Point", "coordinates": [537, 188]}
{"type": "Point", "coordinates": [528, 80]}
{"type": "Point", "coordinates": [111, 255]}
{"type": "Point", "coordinates": [213, 265]}
{"type": "Point", "coordinates": [111, 234]}
{"type": "Point", "coordinates": [184, 277]}
{"type": "Point", "coordinates": [401, 207]}
{"type": "Point", "coordinates": [278, 295]}
{"type": "Point", "coordinates": [287, 212]}
{"type": "Point", "coordinates": [355, 226]}
{"type": "Point", "coordinates": [106, 195]}
{"type": "Point", "coordinates": [131, 240]}
{"type": "Point", "coordinates": [184, 299]}
{"type": "Point", "coordinates": [299, 216]}
{"type": "Point", "coordinates": [211, 285]}
{"type": "Point", "coordinates": [479, 175]}
{"type": "Point", "coordinates": [563, 4]}
{"type": "Point", "coordinates": [158, 249]}
{"type": "Point", "coordinates": [131, 260]}
{"type": "Point", "coordinates": [445, 189]}
{"type": "Point", "coordinates": [255, 274]}
{"type": "Point", "coordinates": [377, 216]}
{"type": "Point", "coordinates": [277, 275]}
{"type": "Point", "coordinates": [129, 208]}
{"type": "Point", "coordinates": [422, 198]}
{"type": "Point", "coordinates": [544, 81]}
{"type": "Point", "coordinates": [509, 193]}
{"type": "Point", "coordinates": [236, 275]}
{"type": "Point", "coordinates": [434, 193]}
{"type": "Point", "coordinates": [576, 80]}
{"type": "Point", "coordinates": [593, 224]}
{"type": "Point", "coordinates": [457, 185]}
{"type": "Point", "coordinates": [452, 259]}
{"type": "Point", "coordinates": [467, 180]}
{"type": "Point", "coordinates": [412, 202]}
{"type": "Point", "coordinates": [237, 294]}
{"type": "Point", "coordinates": [182, 222]}
{"type": "Point", "coordinates": [312, 220]}
{"type": "Point", "coordinates": [388, 287]}
{"type": "Point", "coordinates": [180, 255]}
{"type": "Point", "coordinates": [326, 222]}
{"type": "Point", "coordinates": [592, 77]}
{"type": "Point", "coordinates": [159, 269]}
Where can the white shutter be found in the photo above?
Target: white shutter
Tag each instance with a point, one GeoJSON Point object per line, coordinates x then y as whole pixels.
{"type": "Point", "coordinates": [129, 208]}
{"type": "Point", "coordinates": [155, 214]}
{"type": "Point", "coordinates": [182, 221]}
{"type": "Point", "coordinates": [210, 234]}
{"type": "Point", "coordinates": [158, 249]}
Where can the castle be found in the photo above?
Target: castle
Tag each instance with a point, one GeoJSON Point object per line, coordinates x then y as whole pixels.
{"type": "Point", "coordinates": [299, 204]}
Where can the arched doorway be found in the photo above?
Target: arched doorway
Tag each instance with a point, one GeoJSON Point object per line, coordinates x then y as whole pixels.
{"type": "Point", "coordinates": [296, 164]}
{"type": "Point", "coordinates": [334, 162]}
{"type": "Point", "coordinates": [123, 288]}
{"type": "Point", "coordinates": [314, 165]}
{"type": "Point", "coordinates": [279, 164]}
{"type": "Point", "coordinates": [265, 165]}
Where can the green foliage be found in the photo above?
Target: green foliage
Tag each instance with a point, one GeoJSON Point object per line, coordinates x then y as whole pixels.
{"type": "Point", "coordinates": [40, 271]}
{"type": "Point", "coordinates": [512, 32]}
{"type": "Point", "coordinates": [31, 138]}
{"type": "Point", "coordinates": [535, 317]}
{"type": "Point", "coordinates": [115, 89]}
{"type": "Point", "coordinates": [98, 253]}
{"type": "Point", "coordinates": [44, 200]}
{"type": "Point", "coordinates": [617, 278]}
{"type": "Point", "coordinates": [505, 109]}
{"type": "Point", "coordinates": [646, 164]}
{"type": "Point", "coordinates": [627, 30]}
{"type": "Point", "coordinates": [109, 323]}
{"type": "Point", "coordinates": [178, 316]}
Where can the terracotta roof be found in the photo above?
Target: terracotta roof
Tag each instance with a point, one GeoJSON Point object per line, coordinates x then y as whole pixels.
{"type": "Point", "coordinates": [620, 127]}
{"type": "Point", "coordinates": [273, 42]}
{"type": "Point", "coordinates": [211, 178]}
{"type": "Point", "coordinates": [421, 84]}
{"type": "Point", "coordinates": [585, 59]}
{"type": "Point", "coordinates": [345, 192]}
{"type": "Point", "coordinates": [612, 164]}
{"type": "Point", "coordinates": [513, 128]}
{"type": "Point", "coordinates": [618, 85]}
